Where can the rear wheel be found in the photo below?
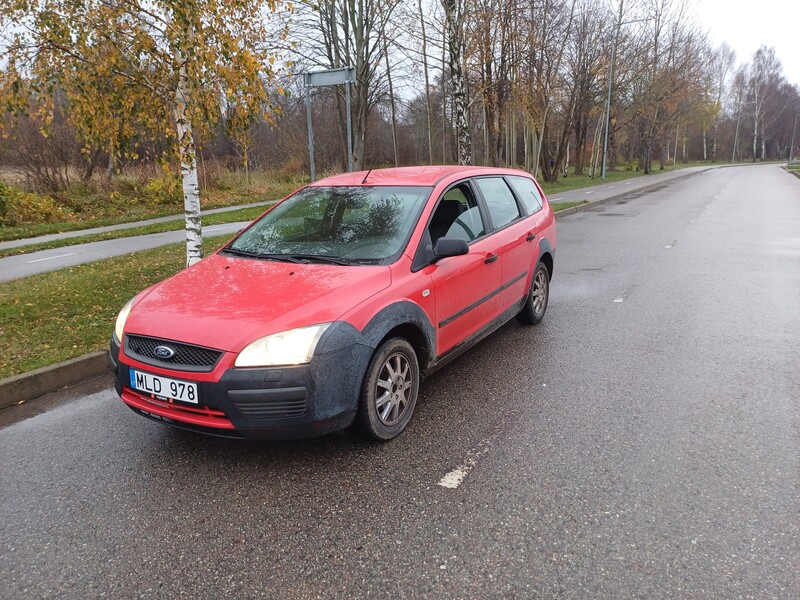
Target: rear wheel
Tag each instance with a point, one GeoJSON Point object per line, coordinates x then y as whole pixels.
{"type": "Point", "coordinates": [536, 304]}
{"type": "Point", "coordinates": [390, 390]}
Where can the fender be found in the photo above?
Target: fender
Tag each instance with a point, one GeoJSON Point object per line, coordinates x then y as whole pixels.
{"type": "Point", "coordinates": [395, 315]}
{"type": "Point", "coordinates": [404, 313]}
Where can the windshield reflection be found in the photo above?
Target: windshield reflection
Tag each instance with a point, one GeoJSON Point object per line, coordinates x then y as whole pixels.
{"type": "Point", "coordinates": [345, 225]}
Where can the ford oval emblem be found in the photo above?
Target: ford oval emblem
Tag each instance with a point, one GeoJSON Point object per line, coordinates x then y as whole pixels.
{"type": "Point", "coordinates": [164, 352]}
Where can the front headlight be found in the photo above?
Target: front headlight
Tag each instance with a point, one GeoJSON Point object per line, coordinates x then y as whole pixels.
{"type": "Point", "coordinates": [121, 318]}
{"type": "Point", "coordinates": [294, 347]}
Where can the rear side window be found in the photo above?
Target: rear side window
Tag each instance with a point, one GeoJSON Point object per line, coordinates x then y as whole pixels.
{"type": "Point", "coordinates": [499, 200]}
{"type": "Point", "coordinates": [527, 192]}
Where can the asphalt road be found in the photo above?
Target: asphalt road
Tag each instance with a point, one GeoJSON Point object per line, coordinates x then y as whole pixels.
{"type": "Point", "coordinates": [642, 442]}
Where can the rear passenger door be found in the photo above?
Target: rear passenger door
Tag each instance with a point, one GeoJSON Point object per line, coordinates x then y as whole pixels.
{"type": "Point", "coordinates": [515, 236]}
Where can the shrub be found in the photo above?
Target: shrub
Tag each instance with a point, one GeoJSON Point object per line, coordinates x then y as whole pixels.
{"type": "Point", "coordinates": [18, 207]}
{"type": "Point", "coordinates": [164, 190]}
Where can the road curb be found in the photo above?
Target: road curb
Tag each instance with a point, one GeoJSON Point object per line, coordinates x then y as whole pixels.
{"type": "Point", "coordinates": [33, 384]}
{"type": "Point", "coordinates": [28, 386]}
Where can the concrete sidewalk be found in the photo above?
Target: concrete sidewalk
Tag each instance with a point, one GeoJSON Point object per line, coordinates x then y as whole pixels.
{"type": "Point", "coordinates": [27, 386]}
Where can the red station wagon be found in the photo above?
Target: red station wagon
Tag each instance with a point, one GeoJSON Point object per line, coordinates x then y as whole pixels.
{"type": "Point", "coordinates": [326, 311]}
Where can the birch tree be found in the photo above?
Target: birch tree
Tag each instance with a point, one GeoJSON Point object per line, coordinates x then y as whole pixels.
{"type": "Point", "coordinates": [162, 66]}
{"type": "Point", "coordinates": [454, 15]}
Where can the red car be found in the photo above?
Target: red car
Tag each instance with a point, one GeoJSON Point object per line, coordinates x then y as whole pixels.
{"type": "Point", "coordinates": [328, 310]}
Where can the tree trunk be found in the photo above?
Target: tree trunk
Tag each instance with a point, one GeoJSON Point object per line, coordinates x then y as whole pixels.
{"type": "Point", "coordinates": [391, 100]}
{"type": "Point", "coordinates": [705, 144]}
{"type": "Point", "coordinates": [456, 50]}
{"type": "Point", "coordinates": [188, 158]}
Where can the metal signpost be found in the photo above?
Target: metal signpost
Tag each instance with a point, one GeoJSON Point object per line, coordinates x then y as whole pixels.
{"type": "Point", "coordinates": [344, 76]}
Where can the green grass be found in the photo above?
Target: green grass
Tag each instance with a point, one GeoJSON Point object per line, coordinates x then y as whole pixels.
{"type": "Point", "coordinates": [52, 317]}
{"type": "Point", "coordinates": [244, 214]}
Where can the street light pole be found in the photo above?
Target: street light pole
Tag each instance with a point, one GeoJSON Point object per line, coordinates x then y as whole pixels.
{"type": "Point", "coordinates": [794, 130]}
{"type": "Point", "coordinates": [610, 82]}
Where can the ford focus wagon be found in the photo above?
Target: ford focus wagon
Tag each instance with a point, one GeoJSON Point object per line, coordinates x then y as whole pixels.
{"type": "Point", "coordinates": [327, 311]}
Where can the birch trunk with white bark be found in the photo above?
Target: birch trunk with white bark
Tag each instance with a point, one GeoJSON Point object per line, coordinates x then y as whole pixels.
{"type": "Point", "coordinates": [456, 50]}
{"type": "Point", "coordinates": [188, 158]}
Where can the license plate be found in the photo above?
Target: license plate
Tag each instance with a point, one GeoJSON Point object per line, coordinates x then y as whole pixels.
{"type": "Point", "coordinates": [164, 388]}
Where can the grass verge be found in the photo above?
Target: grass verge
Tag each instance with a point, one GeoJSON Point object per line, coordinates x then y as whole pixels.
{"type": "Point", "coordinates": [557, 206]}
{"type": "Point", "coordinates": [99, 209]}
{"type": "Point", "coordinates": [245, 214]}
{"type": "Point", "coordinates": [52, 317]}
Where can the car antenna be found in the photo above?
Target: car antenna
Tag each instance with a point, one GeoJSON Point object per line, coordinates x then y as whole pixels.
{"type": "Point", "coordinates": [363, 181]}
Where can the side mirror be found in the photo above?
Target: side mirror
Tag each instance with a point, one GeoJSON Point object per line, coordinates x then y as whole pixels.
{"type": "Point", "coordinates": [450, 247]}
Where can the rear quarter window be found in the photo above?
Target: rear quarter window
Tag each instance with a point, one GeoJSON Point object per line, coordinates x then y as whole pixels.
{"type": "Point", "coordinates": [527, 192]}
{"type": "Point", "coordinates": [499, 200]}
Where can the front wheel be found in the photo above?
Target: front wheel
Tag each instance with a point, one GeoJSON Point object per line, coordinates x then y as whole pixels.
{"type": "Point", "coordinates": [390, 390]}
{"type": "Point", "coordinates": [536, 304]}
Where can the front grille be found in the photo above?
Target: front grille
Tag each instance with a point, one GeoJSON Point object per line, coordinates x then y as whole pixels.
{"type": "Point", "coordinates": [187, 357]}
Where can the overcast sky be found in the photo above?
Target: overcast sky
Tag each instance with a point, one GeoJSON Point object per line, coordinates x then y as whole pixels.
{"type": "Point", "coordinates": [746, 24]}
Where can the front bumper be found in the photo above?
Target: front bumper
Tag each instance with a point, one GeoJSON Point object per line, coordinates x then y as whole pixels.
{"type": "Point", "coordinates": [257, 403]}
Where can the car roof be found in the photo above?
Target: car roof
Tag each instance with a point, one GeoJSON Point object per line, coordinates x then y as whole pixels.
{"type": "Point", "coordinates": [422, 175]}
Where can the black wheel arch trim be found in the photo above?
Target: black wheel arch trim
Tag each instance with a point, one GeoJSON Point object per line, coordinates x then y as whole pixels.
{"type": "Point", "coordinates": [398, 314]}
{"type": "Point", "coordinates": [546, 248]}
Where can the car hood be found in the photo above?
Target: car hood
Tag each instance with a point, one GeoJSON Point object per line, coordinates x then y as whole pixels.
{"type": "Point", "coordinates": [227, 302]}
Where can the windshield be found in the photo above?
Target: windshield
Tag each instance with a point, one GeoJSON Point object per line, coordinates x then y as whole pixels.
{"type": "Point", "coordinates": [336, 224]}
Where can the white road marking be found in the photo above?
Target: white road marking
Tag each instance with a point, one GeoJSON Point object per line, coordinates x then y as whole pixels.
{"type": "Point", "coordinates": [611, 187]}
{"type": "Point", "coordinates": [671, 244]}
{"type": "Point", "coordinates": [590, 192]}
{"type": "Point", "coordinates": [627, 183]}
{"type": "Point", "coordinates": [554, 199]}
{"type": "Point", "coordinates": [618, 299]}
{"type": "Point", "coordinates": [211, 229]}
{"type": "Point", "coordinates": [456, 477]}
{"type": "Point", "coordinates": [51, 257]}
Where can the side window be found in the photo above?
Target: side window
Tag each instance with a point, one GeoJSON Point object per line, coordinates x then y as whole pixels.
{"type": "Point", "coordinates": [527, 192]}
{"type": "Point", "coordinates": [457, 215]}
{"type": "Point", "coordinates": [499, 200]}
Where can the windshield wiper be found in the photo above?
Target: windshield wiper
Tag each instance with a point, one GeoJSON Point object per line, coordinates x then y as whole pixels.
{"type": "Point", "coordinates": [326, 258]}
{"type": "Point", "coordinates": [279, 257]}
{"type": "Point", "coordinates": [296, 258]}
{"type": "Point", "coordinates": [236, 252]}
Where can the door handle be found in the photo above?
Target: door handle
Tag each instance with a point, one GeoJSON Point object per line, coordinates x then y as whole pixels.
{"type": "Point", "coordinates": [490, 258]}
{"type": "Point", "coordinates": [531, 237]}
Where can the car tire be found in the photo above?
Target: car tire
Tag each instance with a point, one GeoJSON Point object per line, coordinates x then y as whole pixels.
{"type": "Point", "coordinates": [389, 393]}
{"type": "Point", "coordinates": [535, 305]}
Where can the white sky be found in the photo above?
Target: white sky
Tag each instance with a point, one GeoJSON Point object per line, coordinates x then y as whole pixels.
{"type": "Point", "coordinates": [746, 24]}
